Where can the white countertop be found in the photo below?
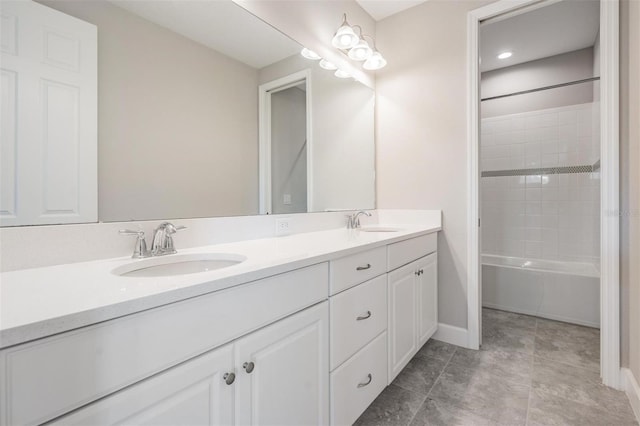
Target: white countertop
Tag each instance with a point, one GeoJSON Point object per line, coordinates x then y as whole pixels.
{"type": "Point", "coordinates": [40, 302]}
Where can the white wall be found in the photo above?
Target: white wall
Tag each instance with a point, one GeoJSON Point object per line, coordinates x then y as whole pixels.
{"type": "Point", "coordinates": [289, 151]}
{"type": "Point", "coordinates": [421, 134]}
{"type": "Point", "coordinates": [162, 98]}
{"type": "Point", "coordinates": [630, 183]}
{"type": "Point", "coordinates": [557, 69]}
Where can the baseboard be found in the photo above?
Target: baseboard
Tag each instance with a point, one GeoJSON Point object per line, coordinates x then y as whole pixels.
{"type": "Point", "coordinates": [452, 335]}
{"type": "Point", "coordinates": [631, 387]}
{"type": "Point", "coordinates": [541, 315]}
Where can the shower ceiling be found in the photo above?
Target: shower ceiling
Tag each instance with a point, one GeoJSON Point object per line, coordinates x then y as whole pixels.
{"type": "Point", "coordinates": [552, 30]}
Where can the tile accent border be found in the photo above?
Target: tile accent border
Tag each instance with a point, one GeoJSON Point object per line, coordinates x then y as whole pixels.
{"type": "Point", "coordinates": [632, 389]}
{"type": "Point", "coordinates": [543, 171]}
{"type": "Point", "coordinates": [453, 335]}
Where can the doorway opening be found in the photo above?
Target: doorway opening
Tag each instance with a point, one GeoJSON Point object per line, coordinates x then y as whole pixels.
{"type": "Point", "coordinates": [285, 145]}
{"type": "Point", "coordinates": [543, 153]}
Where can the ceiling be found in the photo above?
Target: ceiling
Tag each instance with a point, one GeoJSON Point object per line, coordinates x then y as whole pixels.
{"type": "Point", "coordinates": [221, 25]}
{"type": "Point", "coordinates": [546, 31]}
{"type": "Point", "coordinates": [380, 9]}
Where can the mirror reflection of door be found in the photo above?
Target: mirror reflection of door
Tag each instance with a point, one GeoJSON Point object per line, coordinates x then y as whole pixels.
{"type": "Point", "coordinates": [289, 149]}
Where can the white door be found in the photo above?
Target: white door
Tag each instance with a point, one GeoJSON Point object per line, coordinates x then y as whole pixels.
{"type": "Point", "coordinates": [283, 371]}
{"type": "Point", "coordinates": [402, 318]}
{"type": "Point", "coordinates": [48, 137]}
{"type": "Point", "coordinates": [198, 392]}
{"type": "Point", "coordinates": [427, 288]}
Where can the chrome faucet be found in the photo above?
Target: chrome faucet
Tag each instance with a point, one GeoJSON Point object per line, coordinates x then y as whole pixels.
{"type": "Point", "coordinates": [162, 239]}
{"type": "Point", "coordinates": [353, 221]}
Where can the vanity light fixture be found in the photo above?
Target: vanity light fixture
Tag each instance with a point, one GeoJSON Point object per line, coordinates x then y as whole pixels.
{"type": "Point", "coordinates": [342, 74]}
{"type": "Point", "coordinates": [505, 55]}
{"type": "Point", "coordinates": [327, 65]}
{"type": "Point", "coordinates": [345, 37]}
{"type": "Point", "coordinates": [375, 62]}
{"type": "Point", "coordinates": [310, 54]}
{"type": "Point", "coordinates": [356, 47]}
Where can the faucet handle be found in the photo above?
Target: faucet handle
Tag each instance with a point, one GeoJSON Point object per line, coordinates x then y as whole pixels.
{"type": "Point", "coordinates": [140, 249]}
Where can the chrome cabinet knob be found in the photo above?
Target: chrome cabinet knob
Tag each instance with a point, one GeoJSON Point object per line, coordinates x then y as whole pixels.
{"type": "Point", "coordinates": [229, 378]}
{"type": "Point", "coordinates": [248, 367]}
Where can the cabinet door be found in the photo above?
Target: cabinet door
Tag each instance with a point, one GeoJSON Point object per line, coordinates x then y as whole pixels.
{"type": "Point", "coordinates": [402, 318]}
{"type": "Point", "coordinates": [193, 393]}
{"type": "Point", "coordinates": [283, 371]}
{"type": "Point", "coordinates": [427, 289]}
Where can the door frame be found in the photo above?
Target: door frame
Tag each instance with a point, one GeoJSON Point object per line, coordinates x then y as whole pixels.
{"type": "Point", "coordinates": [264, 136]}
{"type": "Point", "coordinates": [609, 190]}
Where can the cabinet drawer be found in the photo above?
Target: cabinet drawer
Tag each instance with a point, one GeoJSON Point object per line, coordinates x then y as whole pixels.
{"type": "Point", "coordinates": [351, 270]}
{"type": "Point", "coordinates": [357, 382]}
{"type": "Point", "coordinates": [407, 251]}
{"type": "Point", "coordinates": [52, 376]}
{"type": "Point", "coordinates": [357, 316]}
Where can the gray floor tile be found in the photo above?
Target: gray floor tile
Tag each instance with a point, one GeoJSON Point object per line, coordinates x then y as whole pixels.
{"type": "Point", "coordinates": [437, 349]}
{"type": "Point", "coordinates": [393, 407]}
{"type": "Point", "coordinates": [580, 385]}
{"type": "Point", "coordinates": [545, 372]}
{"type": "Point", "coordinates": [420, 374]}
{"type": "Point", "coordinates": [502, 338]}
{"type": "Point", "coordinates": [482, 392]}
{"type": "Point", "coordinates": [435, 413]}
{"type": "Point", "coordinates": [571, 349]}
{"type": "Point", "coordinates": [546, 409]}
{"type": "Point", "coordinates": [513, 366]}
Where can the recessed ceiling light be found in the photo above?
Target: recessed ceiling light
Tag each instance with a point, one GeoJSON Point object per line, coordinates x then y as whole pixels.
{"type": "Point", "coordinates": [505, 55]}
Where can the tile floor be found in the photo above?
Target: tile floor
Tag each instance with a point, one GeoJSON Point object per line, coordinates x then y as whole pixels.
{"type": "Point", "coordinates": [530, 371]}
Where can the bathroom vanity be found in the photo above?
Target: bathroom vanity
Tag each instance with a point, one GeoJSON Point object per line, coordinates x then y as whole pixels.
{"type": "Point", "coordinates": [308, 330]}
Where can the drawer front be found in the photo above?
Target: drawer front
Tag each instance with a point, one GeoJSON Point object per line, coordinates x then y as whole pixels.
{"type": "Point", "coordinates": [355, 269]}
{"type": "Point", "coordinates": [404, 252]}
{"type": "Point", "coordinates": [357, 316]}
{"type": "Point", "coordinates": [357, 382]}
{"type": "Point", "coordinates": [52, 376]}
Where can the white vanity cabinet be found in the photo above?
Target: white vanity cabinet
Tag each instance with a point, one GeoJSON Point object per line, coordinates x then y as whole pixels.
{"type": "Point", "coordinates": [50, 377]}
{"type": "Point", "coordinates": [282, 372]}
{"type": "Point", "coordinates": [413, 300]}
{"type": "Point", "coordinates": [251, 381]}
{"type": "Point", "coordinates": [193, 393]}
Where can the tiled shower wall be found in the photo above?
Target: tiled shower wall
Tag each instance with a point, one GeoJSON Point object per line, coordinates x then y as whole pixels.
{"type": "Point", "coordinates": [539, 216]}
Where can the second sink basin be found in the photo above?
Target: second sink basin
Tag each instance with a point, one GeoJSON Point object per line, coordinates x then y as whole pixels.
{"type": "Point", "coordinates": [379, 229]}
{"type": "Point", "coordinates": [178, 264]}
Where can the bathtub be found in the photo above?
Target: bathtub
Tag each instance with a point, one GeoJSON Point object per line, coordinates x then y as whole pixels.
{"type": "Point", "coordinates": [563, 291]}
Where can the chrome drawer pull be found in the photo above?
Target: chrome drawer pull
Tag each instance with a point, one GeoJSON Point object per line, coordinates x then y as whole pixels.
{"type": "Point", "coordinates": [229, 378]}
{"type": "Point", "coordinates": [369, 379]}
{"type": "Point", "coordinates": [364, 317]}
{"type": "Point", "coordinates": [362, 268]}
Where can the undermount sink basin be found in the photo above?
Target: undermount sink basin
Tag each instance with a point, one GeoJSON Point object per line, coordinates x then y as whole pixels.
{"type": "Point", "coordinates": [178, 264]}
{"type": "Point", "coordinates": [379, 229]}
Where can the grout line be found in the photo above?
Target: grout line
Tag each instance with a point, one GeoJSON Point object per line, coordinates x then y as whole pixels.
{"type": "Point", "coordinates": [435, 382]}
{"type": "Point", "coordinates": [533, 357]}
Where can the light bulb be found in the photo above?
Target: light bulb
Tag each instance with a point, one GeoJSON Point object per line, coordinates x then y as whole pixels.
{"type": "Point", "coordinates": [505, 55]}
{"type": "Point", "coordinates": [375, 62]}
{"type": "Point", "coordinates": [327, 65]}
{"type": "Point", "coordinates": [342, 74]}
{"type": "Point", "coordinates": [361, 51]}
{"type": "Point", "coordinates": [310, 54]}
{"type": "Point", "coordinates": [344, 38]}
